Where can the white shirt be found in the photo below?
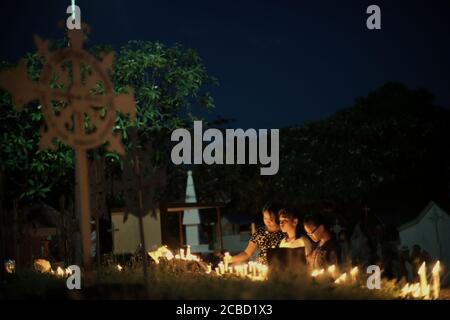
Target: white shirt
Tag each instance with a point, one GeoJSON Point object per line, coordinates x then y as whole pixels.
{"type": "Point", "coordinates": [297, 243]}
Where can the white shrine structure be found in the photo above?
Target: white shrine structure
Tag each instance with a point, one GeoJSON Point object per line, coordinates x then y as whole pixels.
{"type": "Point", "coordinates": [191, 220]}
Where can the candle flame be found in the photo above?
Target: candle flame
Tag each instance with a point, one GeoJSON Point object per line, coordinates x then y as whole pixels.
{"type": "Point", "coordinates": [422, 268]}
{"type": "Point", "coordinates": [426, 292]}
{"type": "Point", "coordinates": [436, 280]}
{"type": "Point", "coordinates": [341, 279]}
{"type": "Point", "coordinates": [415, 290]}
{"type": "Point", "coordinates": [437, 268]}
{"type": "Point", "coordinates": [423, 279]}
{"type": "Point", "coordinates": [405, 290]}
{"type": "Point", "coordinates": [60, 272]}
{"type": "Point", "coordinates": [316, 272]}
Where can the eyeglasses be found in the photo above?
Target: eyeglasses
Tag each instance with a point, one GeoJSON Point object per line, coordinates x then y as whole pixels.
{"type": "Point", "coordinates": [312, 232]}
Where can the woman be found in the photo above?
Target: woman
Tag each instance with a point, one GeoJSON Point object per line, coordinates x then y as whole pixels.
{"type": "Point", "coordinates": [326, 253]}
{"type": "Point", "coordinates": [264, 238]}
{"type": "Point", "coordinates": [289, 224]}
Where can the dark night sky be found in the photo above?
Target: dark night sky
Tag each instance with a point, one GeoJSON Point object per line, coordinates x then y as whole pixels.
{"type": "Point", "coordinates": [279, 62]}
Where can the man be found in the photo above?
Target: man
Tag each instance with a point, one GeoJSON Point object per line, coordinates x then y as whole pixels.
{"type": "Point", "coordinates": [326, 253]}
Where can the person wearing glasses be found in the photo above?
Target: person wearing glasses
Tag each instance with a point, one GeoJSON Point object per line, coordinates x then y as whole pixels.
{"type": "Point", "coordinates": [289, 224]}
{"type": "Point", "coordinates": [326, 253]}
{"type": "Point", "coordinates": [266, 237]}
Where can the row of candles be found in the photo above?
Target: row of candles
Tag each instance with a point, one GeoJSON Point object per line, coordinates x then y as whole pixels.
{"type": "Point", "coordinates": [421, 289]}
{"type": "Point", "coordinates": [164, 252]}
{"type": "Point", "coordinates": [253, 270]}
{"type": "Point", "coordinates": [60, 272]}
{"type": "Point", "coordinates": [44, 266]}
{"type": "Point", "coordinates": [257, 272]}
{"type": "Point", "coordinates": [332, 272]}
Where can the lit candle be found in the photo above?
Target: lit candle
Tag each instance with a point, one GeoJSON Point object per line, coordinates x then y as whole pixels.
{"type": "Point", "coordinates": [426, 293]}
{"type": "Point", "coordinates": [405, 290]}
{"type": "Point", "coordinates": [208, 269]}
{"type": "Point", "coordinates": [119, 267]}
{"type": "Point", "coordinates": [252, 268]}
{"type": "Point", "coordinates": [416, 292]}
{"type": "Point", "coordinates": [241, 271]}
{"type": "Point", "coordinates": [169, 255]}
{"type": "Point", "coordinates": [354, 274]}
{"type": "Point", "coordinates": [60, 272]}
{"type": "Point", "coordinates": [188, 252]}
{"type": "Point", "coordinates": [245, 269]}
{"type": "Point", "coordinates": [226, 260]}
{"type": "Point", "coordinates": [217, 271]}
{"type": "Point", "coordinates": [221, 268]}
{"type": "Point", "coordinates": [332, 271]}
{"type": "Point", "coordinates": [317, 273]}
{"type": "Point", "coordinates": [182, 254]}
{"type": "Point", "coordinates": [423, 278]}
{"type": "Point", "coordinates": [341, 279]}
{"type": "Point", "coordinates": [436, 280]}
{"type": "Point", "coordinates": [265, 270]}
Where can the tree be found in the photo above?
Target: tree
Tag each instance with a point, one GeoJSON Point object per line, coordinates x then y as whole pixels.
{"type": "Point", "coordinates": [167, 81]}
{"type": "Point", "coordinates": [387, 149]}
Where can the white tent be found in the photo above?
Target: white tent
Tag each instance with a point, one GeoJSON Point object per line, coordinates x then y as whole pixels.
{"type": "Point", "coordinates": [430, 230]}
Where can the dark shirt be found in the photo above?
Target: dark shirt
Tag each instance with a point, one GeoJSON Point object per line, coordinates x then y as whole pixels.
{"type": "Point", "coordinates": [265, 240]}
{"type": "Point", "coordinates": [326, 255]}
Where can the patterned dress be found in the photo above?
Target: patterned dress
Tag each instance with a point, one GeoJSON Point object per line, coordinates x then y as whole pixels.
{"type": "Point", "coordinates": [265, 240]}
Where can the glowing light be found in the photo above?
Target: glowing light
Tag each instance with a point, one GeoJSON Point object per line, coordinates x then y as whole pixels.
{"type": "Point", "coordinates": [317, 273]}
{"type": "Point", "coordinates": [341, 279]}
{"type": "Point", "coordinates": [332, 271]}
{"type": "Point", "coordinates": [423, 278]}
{"type": "Point", "coordinates": [354, 274]}
{"type": "Point", "coordinates": [60, 272]}
{"type": "Point", "coordinates": [10, 266]}
{"type": "Point", "coordinates": [436, 280]}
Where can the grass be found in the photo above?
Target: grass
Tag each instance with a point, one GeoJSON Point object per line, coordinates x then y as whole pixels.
{"type": "Point", "coordinates": [183, 283]}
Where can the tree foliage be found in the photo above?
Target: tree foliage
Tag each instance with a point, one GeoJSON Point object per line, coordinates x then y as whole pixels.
{"type": "Point", "coordinates": [167, 81]}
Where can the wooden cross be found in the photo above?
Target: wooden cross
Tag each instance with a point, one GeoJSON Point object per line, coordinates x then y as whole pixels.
{"type": "Point", "coordinates": [74, 112]}
{"type": "Point", "coordinates": [140, 180]}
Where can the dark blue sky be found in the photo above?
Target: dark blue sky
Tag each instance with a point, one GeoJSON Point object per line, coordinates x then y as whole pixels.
{"type": "Point", "coordinates": [279, 62]}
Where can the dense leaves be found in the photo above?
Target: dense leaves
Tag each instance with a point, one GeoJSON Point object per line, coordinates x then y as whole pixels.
{"type": "Point", "coordinates": [167, 83]}
{"type": "Point", "coordinates": [388, 148]}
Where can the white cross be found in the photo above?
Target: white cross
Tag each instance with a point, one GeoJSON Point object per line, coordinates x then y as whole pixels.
{"type": "Point", "coordinates": [73, 10]}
